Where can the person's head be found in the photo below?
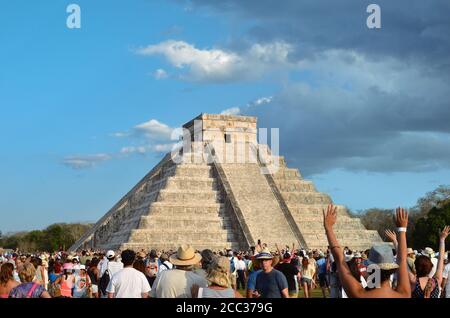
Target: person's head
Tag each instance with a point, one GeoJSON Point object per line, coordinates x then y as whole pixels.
{"type": "Point", "coordinates": [27, 272]}
{"type": "Point", "coordinates": [218, 273]}
{"type": "Point", "coordinates": [164, 257]}
{"type": "Point", "coordinates": [36, 261]}
{"type": "Point", "coordinates": [75, 261]}
{"type": "Point", "coordinates": [83, 270]}
{"type": "Point", "coordinates": [383, 257]}
{"type": "Point", "coordinates": [411, 253]}
{"type": "Point", "coordinates": [94, 262]}
{"type": "Point", "coordinates": [256, 264]}
{"type": "Point", "coordinates": [57, 267]}
{"type": "Point", "coordinates": [423, 265]}
{"type": "Point", "coordinates": [185, 258]}
{"type": "Point", "coordinates": [141, 255]}
{"type": "Point", "coordinates": [358, 258]}
{"type": "Point", "coordinates": [305, 261]}
{"type": "Point", "coordinates": [208, 258]}
{"type": "Point", "coordinates": [110, 255]}
{"type": "Point", "coordinates": [265, 259]}
{"type": "Point", "coordinates": [128, 257]}
{"type": "Point", "coordinates": [354, 270]}
{"type": "Point", "coordinates": [287, 257]}
{"type": "Point", "coordinates": [139, 265]}
{"type": "Point", "coordinates": [6, 273]}
{"type": "Point", "coordinates": [153, 254]}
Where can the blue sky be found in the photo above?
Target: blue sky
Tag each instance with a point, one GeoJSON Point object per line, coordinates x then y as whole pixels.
{"type": "Point", "coordinates": [337, 94]}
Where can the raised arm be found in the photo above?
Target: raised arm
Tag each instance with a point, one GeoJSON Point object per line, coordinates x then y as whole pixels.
{"type": "Point", "coordinates": [278, 249]}
{"type": "Point", "coordinates": [392, 237]}
{"type": "Point", "coordinates": [440, 265]}
{"type": "Point", "coordinates": [351, 286]}
{"type": "Point", "coordinates": [404, 285]}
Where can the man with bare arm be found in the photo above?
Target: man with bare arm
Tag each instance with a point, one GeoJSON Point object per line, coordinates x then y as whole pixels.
{"type": "Point", "coordinates": [378, 256]}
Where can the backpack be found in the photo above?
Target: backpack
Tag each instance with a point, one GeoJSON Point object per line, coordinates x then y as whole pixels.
{"type": "Point", "coordinates": [232, 265]}
{"type": "Point", "coordinates": [104, 282]}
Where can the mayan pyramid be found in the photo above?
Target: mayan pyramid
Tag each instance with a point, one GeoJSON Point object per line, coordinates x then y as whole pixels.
{"type": "Point", "coordinates": [222, 189]}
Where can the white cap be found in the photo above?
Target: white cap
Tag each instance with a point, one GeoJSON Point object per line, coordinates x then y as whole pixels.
{"type": "Point", "coordinates": [348, 257]}
{"type": "Point", "coordinates": [82, 267]}
{"type": "Point", "coordinates": [110, 254]}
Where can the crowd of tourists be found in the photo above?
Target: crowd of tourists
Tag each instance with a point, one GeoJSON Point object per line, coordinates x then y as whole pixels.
{"type": "Point", "coordinates": [384, 271]}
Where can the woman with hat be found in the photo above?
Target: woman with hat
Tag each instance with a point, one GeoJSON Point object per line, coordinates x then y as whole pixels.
{"type": "Point", "coordinates": [219, 281]}
{"type": "Point", "coordinates": [82, 284]}
{"type": "Point", "coordinates": [66, 281]}
{"type": "Point", "coordinates": [381, 259]}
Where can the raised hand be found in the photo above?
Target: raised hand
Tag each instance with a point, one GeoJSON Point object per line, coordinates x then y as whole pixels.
{"type": "Point", "coordinates": [401, 217]}
{"type": "Point", "coordinates": [391, 236]}
{"type": "Point", "coordinates": [329, 217]}
{"type": "Point", "coordinates": [445, 232]}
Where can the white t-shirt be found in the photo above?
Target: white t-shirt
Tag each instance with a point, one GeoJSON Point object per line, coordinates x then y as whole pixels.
{"type": "Point", "coordinates": [112, 267]}
{"type": "Point", "coordinates": [240, 265]}
{"type": "Point", "coordinates": [128, 283]}
{"type": "Point", "coordinates": [445, 274]}
{"type": "Point", "coordinates": [176, 283]}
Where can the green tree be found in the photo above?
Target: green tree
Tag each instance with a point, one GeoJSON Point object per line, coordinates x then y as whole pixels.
{"type": "Point", "coordinates": [427, 228]}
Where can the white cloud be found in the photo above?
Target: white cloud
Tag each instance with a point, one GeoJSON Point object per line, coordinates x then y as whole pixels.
{"type": "Point", "coordinates": [120, 134]}
{"type": "Point", "coordinates": [241, 110]}
{"type": "Point", "coordinates": [218, 65]}
{"type": "Point", "coordinates": [262, 101]}
{"type": "Point", "coordinates": [86, 161]}
{"type": "Point", "coordinates": [163, 147]}
{"type": "Point", "coordinates": [160, 74]}
{"type": "Point", "coordinates": [231, 111]}
{"type": "Point", "coordinates": [153, 129]}
{"type": "Point", "coordinates": [133, 149]}
{"type": "Point", "coordinates": [158, 148]}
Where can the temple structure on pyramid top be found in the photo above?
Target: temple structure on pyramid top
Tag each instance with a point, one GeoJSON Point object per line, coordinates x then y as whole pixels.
{"type": "Point", "coordinates": [222, 187]}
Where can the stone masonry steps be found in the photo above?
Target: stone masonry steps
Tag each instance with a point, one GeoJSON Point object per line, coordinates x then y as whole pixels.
{"type": "Point", "coordinates": [177, 182]}
{"type": "Point", "coordinates": [293, 185]}
{"type": "Point", "coordinates": [173, 245]}
{"type": "Point", "coordinates": [260, 209]}
{"type": "Point", "coordinates": [188, 196]}
{"type": "Point", "coordinates": [162, 235]}
{"type": "Point", "coordinates": [306, 197]}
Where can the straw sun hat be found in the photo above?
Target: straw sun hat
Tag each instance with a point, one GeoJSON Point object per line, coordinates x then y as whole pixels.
{"type": "Point", "coordinates": [264, 254]}
{"type": "Point", "coordinates": [219, 272]}
{"type": "Point", "coordinates": [382, 256]}
{"type": "Point", "coordinates": [185, 256]}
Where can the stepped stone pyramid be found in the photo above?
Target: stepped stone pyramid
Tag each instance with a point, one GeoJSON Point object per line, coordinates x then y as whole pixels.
{"type": "Point", "coordinates": [222, 189]}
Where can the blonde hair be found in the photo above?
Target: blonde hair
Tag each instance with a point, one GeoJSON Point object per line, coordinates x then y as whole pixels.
{"type": "Point", "coordinates": [27, 273]}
